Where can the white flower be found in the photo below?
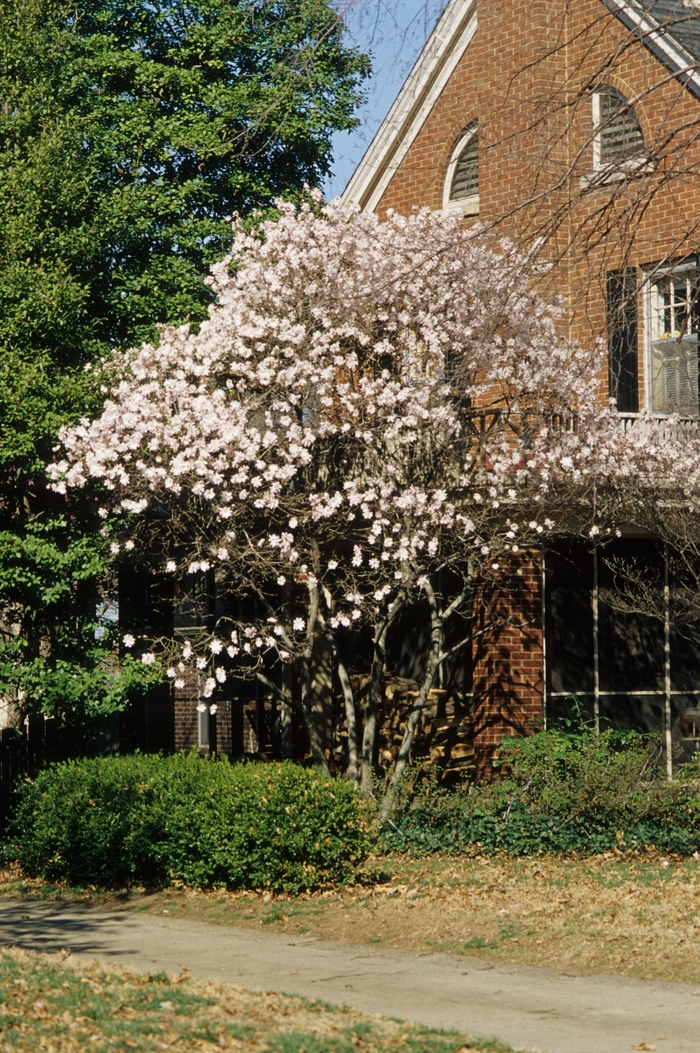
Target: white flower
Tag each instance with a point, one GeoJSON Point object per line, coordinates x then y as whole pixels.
{"type": "Point", "coordinates": [281, 580]}
{"type": "Point", "coordinates": [171, 673]}
{"type": "Point", "coordinates": [216, 646]}
{"type": "Point", "coordinates": [213, 709]}
{"type": "Point", "coordinates": [187, 651]}
{"type": "Point", "coordinates": [298, 625]}
{"type": "Point", "coordinates": [222, 554]}
{"type": "Point", "coordinates": [170, 566]}
{"type": "Point", "coordinates": [201, 708]}
{"type": "Point", "coordinates": [114, 548]}
{"type": "Point", "coordinates": [179, 684]}
{"type": "Point", "coordinates": [128, 640]}
{"type": "Point", "coordinates": [208, 689]}
{"type": "Point", "coordinates": [148, 658]}
{"type": "Point", "coordinates": [220, 674]}
{"type": "Point", "coordinates": [129, 545]}
{"type": "Point", "coordinates": [332, 564]}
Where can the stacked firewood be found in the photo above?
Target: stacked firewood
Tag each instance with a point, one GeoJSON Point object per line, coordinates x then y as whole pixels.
{"type": "Point", "coordinates": [442, 742]}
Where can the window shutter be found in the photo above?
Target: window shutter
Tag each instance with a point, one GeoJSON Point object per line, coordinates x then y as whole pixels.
{"type": "Point", "coordinates": [680, 376]}
{"type": "Point", "coordinates": [620, 133]}
{"type": "Point", "coordinates": [622, 339]}
{"type": "Point", "coordinates": [465, 181]}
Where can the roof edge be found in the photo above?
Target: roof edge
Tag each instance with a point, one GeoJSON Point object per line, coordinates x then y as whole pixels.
{"type": "Point", "coordinates": [661, 44]}
{"type": "Point", "coordinates": [421, 90]}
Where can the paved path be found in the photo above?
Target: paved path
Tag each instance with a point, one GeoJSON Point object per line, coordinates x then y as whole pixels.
{"type": "Point", "coordinates": [528, 1008]}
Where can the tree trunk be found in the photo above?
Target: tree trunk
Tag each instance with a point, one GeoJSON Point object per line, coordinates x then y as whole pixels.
{"type": "Point", "coordinates": [349, 699]}
{"type": "Point", "coordinates": [307, 712]}
{"type": "Point", "coordinates": [286, 742]}
{"type": "Point", "coordinates": [414, 717]}
{"type": "Point", "coordinates": [374, 691]}
{"type": "Point", "coordinates": [307, 707]}
{"type": "Point", "coordinates": [435, 658]}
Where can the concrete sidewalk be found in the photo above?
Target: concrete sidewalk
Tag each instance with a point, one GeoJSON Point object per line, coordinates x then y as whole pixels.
{"type": "Point", "coordinates": [528, 1008]}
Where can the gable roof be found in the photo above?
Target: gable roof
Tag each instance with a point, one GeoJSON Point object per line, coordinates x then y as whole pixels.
{"type": "Point", "coordinates": [670, 29]}
{"type": "Point", "coordinates": [431, 72]}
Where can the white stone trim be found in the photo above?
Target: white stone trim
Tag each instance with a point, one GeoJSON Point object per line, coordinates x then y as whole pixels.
{"type": "Point", "coordinates": [424, 85]}
{"type": "Point", "coordinates": [467, 206]}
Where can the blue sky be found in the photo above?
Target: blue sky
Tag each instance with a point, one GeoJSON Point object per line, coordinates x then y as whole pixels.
{"type": "Point", "coordinates": [393, 33]}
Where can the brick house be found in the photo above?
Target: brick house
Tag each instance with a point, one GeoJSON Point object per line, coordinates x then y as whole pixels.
{"type": "Point", "coordinates": [573, 125]}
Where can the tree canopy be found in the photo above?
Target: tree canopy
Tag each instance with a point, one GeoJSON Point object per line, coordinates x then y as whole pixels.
{"type": "Point", "coordinates": [319, 442]}
{"type": "Point", "coordinates": [130, 133]}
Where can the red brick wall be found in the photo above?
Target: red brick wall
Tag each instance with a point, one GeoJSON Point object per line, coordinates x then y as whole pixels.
{"type": "Point", "coordinates": [186, 718]}
{"type": "Point", "coordinates": [508, 670]}
{"type": "Point", "coordinates": [524, 77]}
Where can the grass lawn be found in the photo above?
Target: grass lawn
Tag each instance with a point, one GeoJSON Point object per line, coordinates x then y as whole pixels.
{"type": "Point", "coordinates": [45, 1005]}
{"type": "Point", "coordinates": [607, 914]}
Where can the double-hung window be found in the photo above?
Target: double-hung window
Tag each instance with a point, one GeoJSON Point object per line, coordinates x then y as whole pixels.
{"type": "Point", "coordinates": [674, 324]}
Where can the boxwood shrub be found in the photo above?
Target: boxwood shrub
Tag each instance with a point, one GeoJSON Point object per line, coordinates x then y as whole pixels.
{"type": "Point", "coordinates": [155, 820]}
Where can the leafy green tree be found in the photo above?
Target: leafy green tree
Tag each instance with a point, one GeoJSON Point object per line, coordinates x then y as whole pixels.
{"type": "Point", "coordinates": [130, 132]}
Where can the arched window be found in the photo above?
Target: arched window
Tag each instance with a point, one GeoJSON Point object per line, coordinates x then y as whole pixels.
{"type": "Point", "coordinates": [462, 181]}
{"type": "Point", "coordinates": [618, 137]}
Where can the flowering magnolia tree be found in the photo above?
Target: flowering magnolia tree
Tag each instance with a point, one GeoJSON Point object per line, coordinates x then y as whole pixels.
{"type": "Point", "coordinates": [373, 414]}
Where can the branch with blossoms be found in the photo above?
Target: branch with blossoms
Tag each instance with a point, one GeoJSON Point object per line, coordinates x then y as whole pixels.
{"type": "Point", "coordinates": [368, 406]}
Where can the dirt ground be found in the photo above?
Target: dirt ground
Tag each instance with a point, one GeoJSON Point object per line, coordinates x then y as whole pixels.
{"type": "Point", "coordinates": [606, 914]}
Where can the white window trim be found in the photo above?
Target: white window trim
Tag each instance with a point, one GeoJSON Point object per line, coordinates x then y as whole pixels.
{"type": "Point", "coordinates": [468, 206]}
{"type": "Point", "coordinates": [616, 170]}
{"type": "Point", "coordinates": [650, 279]}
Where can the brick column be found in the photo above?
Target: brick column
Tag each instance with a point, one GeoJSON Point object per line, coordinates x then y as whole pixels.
{"type": "Point", "coordinates": [186, 734]}
{"type": "Point", "coordinates": [508, 669]}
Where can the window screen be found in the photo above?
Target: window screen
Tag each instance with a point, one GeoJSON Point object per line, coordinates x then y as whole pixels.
{"type": "Point", "coordinates": [620, 134]}
{"type": "Point", "coordinates": [465, 181]}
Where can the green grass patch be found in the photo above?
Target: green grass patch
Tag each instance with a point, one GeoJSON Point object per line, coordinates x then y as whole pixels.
{"type": "Point", "coordinates": [47, 1005]}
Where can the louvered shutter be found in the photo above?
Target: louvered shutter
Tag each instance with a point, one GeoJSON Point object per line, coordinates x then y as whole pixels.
{"type": "Point", "coordinates": [465, 181]}
{"type": "Point", "coordinates": [680, 376]}
{"type": "Point", "coordinates": [622, 339]}
{"type": "Point", "coordinates": [621, 136]}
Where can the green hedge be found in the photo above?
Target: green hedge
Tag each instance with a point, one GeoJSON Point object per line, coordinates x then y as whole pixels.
{"type": "Point", "coordinates": [157, 820]}
{"type": "Point", "coordinates": [560, 791]}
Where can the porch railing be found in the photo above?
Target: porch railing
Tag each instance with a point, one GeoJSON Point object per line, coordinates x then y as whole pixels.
{"type": "Point", "coordinates": [678, 428]}
{"type": "Point", "coordinates": [525, 425]}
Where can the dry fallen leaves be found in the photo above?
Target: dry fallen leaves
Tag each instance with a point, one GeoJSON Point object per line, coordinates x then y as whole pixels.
{"type": "Point", "coordinates": [606, 914]}
{"type": "Point", "coordinates": [53, 1008]}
